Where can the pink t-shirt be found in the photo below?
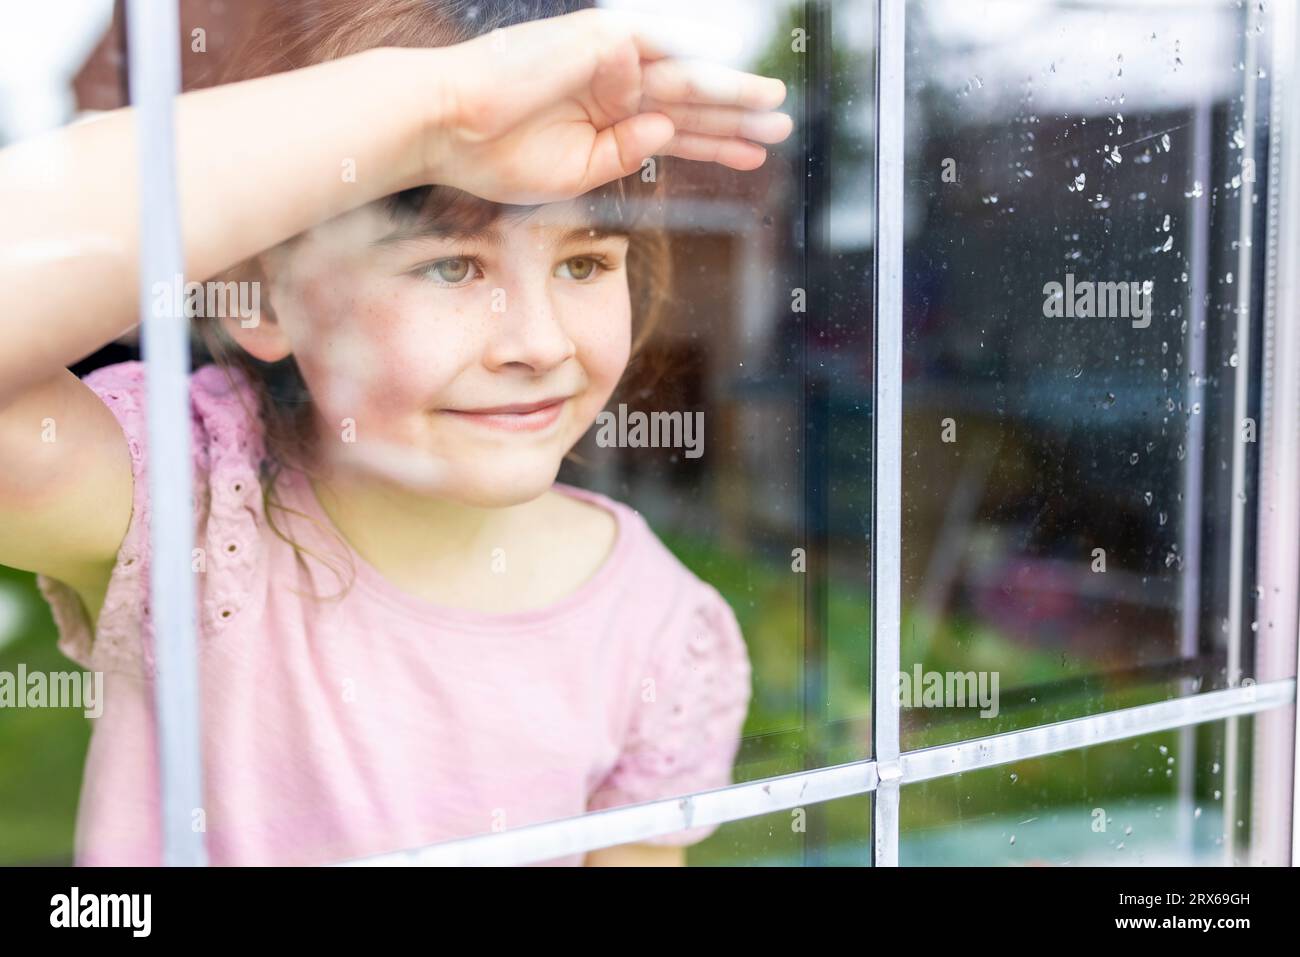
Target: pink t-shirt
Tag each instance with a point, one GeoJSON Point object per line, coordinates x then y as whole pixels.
{"type": "Point", "coordinates": [336, 728]}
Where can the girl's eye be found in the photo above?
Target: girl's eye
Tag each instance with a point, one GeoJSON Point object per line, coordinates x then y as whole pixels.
{"type": "Point", "coordinates": [581, 267]}
{"type": "Point", "coordinates": [452, 271]}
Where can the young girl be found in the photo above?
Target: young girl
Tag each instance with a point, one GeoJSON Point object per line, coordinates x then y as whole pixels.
{"type": "Point", "coordinates": [408, 630]}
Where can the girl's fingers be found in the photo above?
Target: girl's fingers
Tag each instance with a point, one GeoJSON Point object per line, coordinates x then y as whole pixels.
{"type": "Point", "coordinates": [725, 121]}
{"type": "Point", "coordinates": [620, 149]}
{"type": "Point", "coordinates": [737, 154]}
{"type": "Point", "coordinates": [702, 82]}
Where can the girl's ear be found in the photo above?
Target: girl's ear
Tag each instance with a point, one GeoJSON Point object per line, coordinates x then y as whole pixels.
{"type": "Point", "coordinates": [257, 331]}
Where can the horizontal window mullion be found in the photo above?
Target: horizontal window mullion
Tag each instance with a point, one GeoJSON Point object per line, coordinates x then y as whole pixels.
{"type": "Point", "coordinates": [626, 825]}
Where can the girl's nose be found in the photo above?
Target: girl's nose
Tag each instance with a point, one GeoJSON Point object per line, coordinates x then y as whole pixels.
{"type": "Point", "coordinates": [525, 329]}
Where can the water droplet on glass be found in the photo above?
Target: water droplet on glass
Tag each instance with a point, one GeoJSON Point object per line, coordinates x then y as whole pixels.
{"type": "Point", "coordinates": [1239, 138]}
{"type": "Point", "coordinates": [1079, 182]}
{"type": "Point", "coordinates": [1164, 517]}
{"type": "Point", "coordinates": [1233, 360]}
{"type": "Point", "coordinates": [1147, 497]}
{"type": "Point", "coordinates": [1165, 224]}
{"type": "Point", "coordinates": [1168, 245]}
{"type": "Point", "coordinates": [1197, 191]}
{"type": "Point", "coordinates": [1164, 141]}
{"type": "Point", "coordinates": [1133, 459]}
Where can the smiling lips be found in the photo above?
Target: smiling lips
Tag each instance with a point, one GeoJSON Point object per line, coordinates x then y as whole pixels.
{"type": "Point", "coordinates": [520, 417]}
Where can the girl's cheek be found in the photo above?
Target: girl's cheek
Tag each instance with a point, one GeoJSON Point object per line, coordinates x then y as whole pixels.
{"type": "Point", "coordinates": [356, 347]}
{"type": "Point", "coordinates": [336, 357]}
{"type": "Point", "coordinates": [604, 340]}
{"type": "Point", "coordinates": [424, 346]}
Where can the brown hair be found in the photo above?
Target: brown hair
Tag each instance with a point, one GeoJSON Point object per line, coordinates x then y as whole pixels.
{"type": "Point", "coordinates": [292, 36]}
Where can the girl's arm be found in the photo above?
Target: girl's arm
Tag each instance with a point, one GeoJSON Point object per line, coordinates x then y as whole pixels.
{"type": "Point", "coordinates": [257, 163]}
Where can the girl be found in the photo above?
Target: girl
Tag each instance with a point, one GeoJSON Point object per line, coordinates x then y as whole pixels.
{"type": "Point", "coordinates": [408, 631]}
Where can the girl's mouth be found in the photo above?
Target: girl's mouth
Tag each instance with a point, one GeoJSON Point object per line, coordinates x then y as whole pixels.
{"type": "Point", "coordinates": [522, 417]}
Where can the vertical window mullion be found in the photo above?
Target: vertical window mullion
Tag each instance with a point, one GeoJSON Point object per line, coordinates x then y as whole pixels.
{"type": "Point", "coordinates": [153, 30]}
{"type": "Point", "coordinates": [887, 424]}
{"type": "Point", "coordinates": [1241, 398]}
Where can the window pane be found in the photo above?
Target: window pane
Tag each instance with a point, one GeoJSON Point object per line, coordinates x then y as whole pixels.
{"type": "Point", "coordinates": [768, 336]}
{"type": "Point", "coordinates": [692, 585]}
{"type": "Point", "coordinates": [1160, 799]}
{"type": "Point", "coordinates": [1074, 268]}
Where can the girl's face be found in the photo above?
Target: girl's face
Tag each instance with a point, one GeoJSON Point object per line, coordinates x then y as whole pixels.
{"type": "Point", "coordinates": [462, 365]}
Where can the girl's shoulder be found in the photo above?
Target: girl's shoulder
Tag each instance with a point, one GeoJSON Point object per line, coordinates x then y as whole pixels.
{"type": "Point", "coordinates": [223, 409]}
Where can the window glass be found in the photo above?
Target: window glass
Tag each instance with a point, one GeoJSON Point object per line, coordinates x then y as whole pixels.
{"type": "Point", "coordinates": [1079, 491]}
{"type": "Point", "coordinates": [768, 336]}
{"type": "Point", "coordinates": [1167, 799]}
{"type": "Point", "coordinates": [758, 360]}
{"type": "Point", "coordinates": [1075, 268]}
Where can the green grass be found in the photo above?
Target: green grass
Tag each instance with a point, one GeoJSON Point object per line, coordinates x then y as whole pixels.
{"type": "Point", "coordinates": [42, 750]}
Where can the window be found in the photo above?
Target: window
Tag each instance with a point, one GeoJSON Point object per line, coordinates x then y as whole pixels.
{"type": "Point", "coordinates": [997, 365]}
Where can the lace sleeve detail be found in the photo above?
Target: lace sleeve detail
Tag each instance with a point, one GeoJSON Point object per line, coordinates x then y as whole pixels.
{"type": "Point", "coordinates": [226, 450]}
{"type": "Point", "coordinates": [687, 722]}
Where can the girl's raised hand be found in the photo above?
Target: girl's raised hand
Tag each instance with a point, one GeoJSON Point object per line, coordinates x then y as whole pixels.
{"type": "Point", "coordinates": [550, 109]}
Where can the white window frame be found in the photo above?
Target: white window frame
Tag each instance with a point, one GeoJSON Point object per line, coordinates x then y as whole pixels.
{"type": "Point", "coordinates": [154, 58]}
